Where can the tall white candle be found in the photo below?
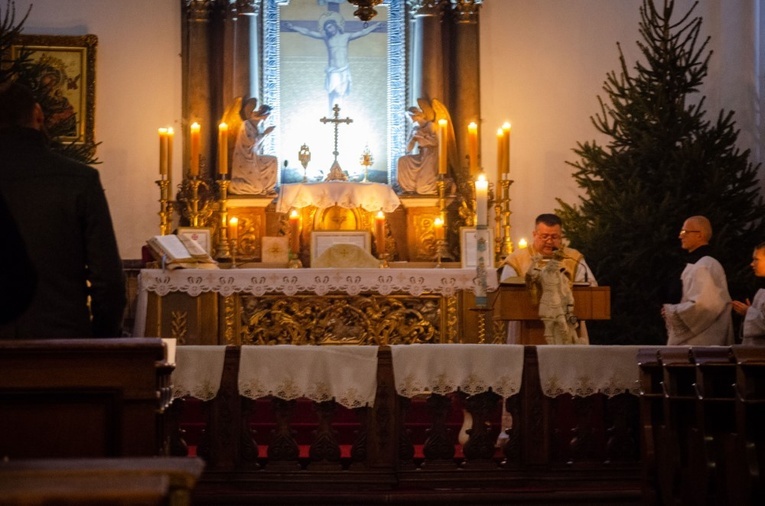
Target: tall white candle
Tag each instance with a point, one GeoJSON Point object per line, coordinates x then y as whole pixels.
{"type": "Point", "coordinates": [481, 200]}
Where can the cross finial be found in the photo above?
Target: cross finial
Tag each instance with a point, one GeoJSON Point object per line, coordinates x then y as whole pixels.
{"type": "Point", "coordinates": [336, 120]}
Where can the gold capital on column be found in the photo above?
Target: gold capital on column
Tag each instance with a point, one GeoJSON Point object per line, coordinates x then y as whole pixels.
{"type": "Point", "coordinates": [425, 7]}
{"type": "Point", "coordinates": [466, 11]}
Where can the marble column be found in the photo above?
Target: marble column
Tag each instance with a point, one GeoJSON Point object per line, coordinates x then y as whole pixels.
{"type": "Point", "coordinates": [464, 74]}
{"type": "Point", "coordinates": [197, 69]}
{"type": "Point", "coordinates": [427, 50]}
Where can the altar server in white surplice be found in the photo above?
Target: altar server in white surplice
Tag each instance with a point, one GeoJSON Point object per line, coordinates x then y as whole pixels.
{"type": "Point", "coordinates": [703, 316]}
{"type": "Point", "coordinates": [753, 328]}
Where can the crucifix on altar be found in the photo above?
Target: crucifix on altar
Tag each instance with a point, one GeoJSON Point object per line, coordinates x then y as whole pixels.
{"type": "Point", "coordinates": [336, 172]}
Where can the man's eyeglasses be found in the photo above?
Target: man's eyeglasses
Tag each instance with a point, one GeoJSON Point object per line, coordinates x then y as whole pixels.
{"type": "Point", "coordinates": [549, 237]}
{"type": "Point", "coordinates": [686, 232]}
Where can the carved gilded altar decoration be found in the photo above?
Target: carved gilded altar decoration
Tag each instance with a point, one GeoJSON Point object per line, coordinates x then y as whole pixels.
{"type": "Point", "coordinates": [340, 319]}
{"type": "Point", "coordinates": [466, 10]}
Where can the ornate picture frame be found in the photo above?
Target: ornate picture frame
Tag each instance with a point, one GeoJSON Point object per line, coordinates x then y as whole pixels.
{"type": "Point", "coordinates": [202, 235]}
{"type": "Point", "coordinates": [70, 81]}
{"type": "Point", "coordinates": [322, 240]}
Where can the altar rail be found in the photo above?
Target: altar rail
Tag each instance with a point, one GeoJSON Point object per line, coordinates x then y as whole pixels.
{"type": "Point", "coordinates": [559, 448]}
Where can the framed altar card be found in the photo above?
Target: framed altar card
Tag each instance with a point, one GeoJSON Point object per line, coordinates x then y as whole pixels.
{"type": "Point", "coordinates": [469, 247]}
{"type": "Point", "coordinates": [202, 236]}
{"type": "Point", "coordinates": [320, 241]}
{"type": "Point", "coordinates": [275, 250]}
{"type": "Point", "coordinates": [67, 81]}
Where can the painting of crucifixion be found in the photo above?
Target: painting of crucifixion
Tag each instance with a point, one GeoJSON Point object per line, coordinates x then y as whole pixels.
{"type": "Point", "coordinates": [317, 55]}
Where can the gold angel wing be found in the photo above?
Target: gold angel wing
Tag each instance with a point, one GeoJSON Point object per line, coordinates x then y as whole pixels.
{"type": "Point", "coordinates": [441, 112]}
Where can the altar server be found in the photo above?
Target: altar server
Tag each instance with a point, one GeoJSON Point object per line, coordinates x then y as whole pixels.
{"type": "Point", "coordinates": [753, 328]}
{"type": "Point", "coordinates": [703, 315]}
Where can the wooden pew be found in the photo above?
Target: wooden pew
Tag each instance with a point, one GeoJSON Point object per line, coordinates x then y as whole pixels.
{"type": "Point", "coordinates": [678, 378]}
{"type": "Point", "coordinates": [750, 420]}
{"type": "Point", "coordinates": [82, 398]}
{"type": "Point", "coordinates": [712, 438]}
{"type": "Point", "coordinates": [121, 481]}
{"type": "Point", "coordinates": [651, 402]}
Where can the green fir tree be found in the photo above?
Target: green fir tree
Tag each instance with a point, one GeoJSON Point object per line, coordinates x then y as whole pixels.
{"type": "Point", "coordinates": [665, 162]}
{"type": "Point", "coordinates": [22, 69]}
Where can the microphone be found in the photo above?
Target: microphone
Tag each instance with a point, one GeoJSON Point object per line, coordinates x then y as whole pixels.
{"type": "Point", "coordinates": [559, 252]}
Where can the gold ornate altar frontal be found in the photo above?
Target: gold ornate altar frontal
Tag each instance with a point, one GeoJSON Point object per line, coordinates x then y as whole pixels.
{"type": "Point", "coordinates": [308, 306]}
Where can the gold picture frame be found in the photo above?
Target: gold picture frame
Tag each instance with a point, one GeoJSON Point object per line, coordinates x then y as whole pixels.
{"type": "Point", "coordinates": [202, 235]}
{"type": "Point", "coordinates": [322, 240]}
{"type": "Point", "coordinates": [469, 252]}
{"type": "Point", "coordinates": [70, 61]}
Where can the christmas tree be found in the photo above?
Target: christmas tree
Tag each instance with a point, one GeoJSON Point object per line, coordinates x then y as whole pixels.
{"type": "Point", "coordinates": [665, 161]}
{"type": "Point", "coordinates": [20, 68]}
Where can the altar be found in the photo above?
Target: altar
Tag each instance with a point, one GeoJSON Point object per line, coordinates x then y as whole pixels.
{"type": "Point", "coordinates": [399, 305]}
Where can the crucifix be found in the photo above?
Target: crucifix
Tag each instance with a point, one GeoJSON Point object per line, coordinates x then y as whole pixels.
{"type": "Point", "coordinates": [336, 120]}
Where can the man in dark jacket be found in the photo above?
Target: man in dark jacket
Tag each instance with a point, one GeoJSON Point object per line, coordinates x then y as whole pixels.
{"type": "Point", "coordinates": [61, 212]}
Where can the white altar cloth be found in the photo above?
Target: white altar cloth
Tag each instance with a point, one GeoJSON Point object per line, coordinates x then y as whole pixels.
{"type": "Point", "coordinates": [259, 282]}
{"type": "Point", "coordinates": [198, 371]}
{"type": "Point", "coordinates": [586, 370]}
{"type": "Point", "coordinates": [369, 196]}
{"type": "Point", "coordinates": [446, 368]}
{"type": "Point", "coordinates": [345, 374]}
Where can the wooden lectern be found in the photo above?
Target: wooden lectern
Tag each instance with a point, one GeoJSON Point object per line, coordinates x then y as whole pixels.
{"type": "Point", "coordinates": [514, 303]}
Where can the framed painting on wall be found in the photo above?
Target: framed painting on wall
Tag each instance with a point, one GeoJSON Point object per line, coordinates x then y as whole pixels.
{"type": "Point", "coordinates": [66, 84]}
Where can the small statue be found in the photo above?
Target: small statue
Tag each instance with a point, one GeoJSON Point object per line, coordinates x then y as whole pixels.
{"type": "Point", "coordinates": [418, 171]}
{"type": "Point", "coordinates": [556, 300]}
{"type": "Point", "coordinates": [252, 173]}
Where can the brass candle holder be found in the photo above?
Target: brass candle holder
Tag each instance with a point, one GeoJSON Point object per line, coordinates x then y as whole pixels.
{"type": "Point", "coordinates": [223, 250]}
{"type": "Point", "coordinates": [165, 206]}
{"type": "Point", "coordinates": [197, 200]}
{"type": "Point", "coordinates": [503, 241]}
{"type": "Point", "coordinates": [232, 249]}
{"type": "Point", "coordinates": [304, 155]}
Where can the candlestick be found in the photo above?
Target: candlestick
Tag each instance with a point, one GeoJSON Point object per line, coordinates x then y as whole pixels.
{"type": "Point", "coordinates": [473, 147]}
{"type": "Point", "coordinates": [481, 200]}
{"type": "Point", "coordinates": [442, 140]}
{"type": "Point", "coordinates": [380, 233]}
{"type": "Point", "coordinates": [162, 151]}
{"type": "Point", "coordinates": [438, 224]}
{"type": "Point", "coordinates": [506, 157]}
{"type": "Point", "coordinates": [294, 227]}
{"type": "Point", "coordinates": [223, 149]}
{"type": "Point", "coordinates": [500, 152]}
{"type": "Point", "coordinates": [195, 141]}
{"type": "Point", "coordinates": [170, 134]}
{"type": "Point", "coordinates": [233, 229]}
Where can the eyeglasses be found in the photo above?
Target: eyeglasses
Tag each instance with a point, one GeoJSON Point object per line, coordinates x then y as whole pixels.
{"type": "Point", "coordinates": [549, 237]}
{"type": "Point", "coordinates": [686, 232]}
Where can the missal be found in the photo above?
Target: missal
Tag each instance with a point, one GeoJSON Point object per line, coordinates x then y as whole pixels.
{"type": "Point", "coordinates": [176, 252]}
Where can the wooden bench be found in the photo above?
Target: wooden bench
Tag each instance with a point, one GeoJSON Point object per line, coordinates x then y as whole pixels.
{"type": "Point", "coordinates": [750, 420]}
{"type": "Point", "coordinates": [82, 398]}
{"type": "Point", "coordinates": [119, 481]}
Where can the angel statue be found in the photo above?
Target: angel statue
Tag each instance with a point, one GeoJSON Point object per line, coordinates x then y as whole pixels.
{"type": "Point", "coordinates": [556, 301]}
{"type": "Point", "coordinates": [418, 170]}
{"type": "Point", "coordinates": [252, 173]}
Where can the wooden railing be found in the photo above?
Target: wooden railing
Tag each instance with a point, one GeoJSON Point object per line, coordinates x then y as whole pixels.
{"type": "Point", "coordinates": [576, 445]}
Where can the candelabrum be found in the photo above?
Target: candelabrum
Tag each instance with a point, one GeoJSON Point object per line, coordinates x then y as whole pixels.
{"type": "Point", "coordinates": [384, 261]}
{"type": "Point", "coordinates": [232, 250]}
{"type": "Point", "coordinates": [440, 251]}
{"type": "Point", "coordinates": [503, 243]}
{"type": "Point", "coordinates": [223, 250]}
{"type": "Point", "coordinates": [197, 198]}
{"type": "Point", "coordinates": [165, 206]}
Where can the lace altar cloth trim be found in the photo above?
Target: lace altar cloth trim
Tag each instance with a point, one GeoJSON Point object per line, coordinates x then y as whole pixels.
{"type": "Point", "coordinates": [446, 368]}
{"type": "Point", "coordinates": [198, 370]}
{"type": "Point", "coordinates": [369, 196]}
{"type": "Point", "coordinates": [345, 374]}
{"type": "Point", "coordinates": [319, 281]}
{"type": "Point", "coordinates": [586, 370]}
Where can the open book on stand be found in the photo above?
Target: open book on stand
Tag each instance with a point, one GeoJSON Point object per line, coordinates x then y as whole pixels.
{"type": "Point", "coordinates": [177, 252]}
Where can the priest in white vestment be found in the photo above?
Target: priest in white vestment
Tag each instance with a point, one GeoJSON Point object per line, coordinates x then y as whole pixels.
{"type": "Point", "coordinates": [703, 315]}
{"type": "Point", "coordinates": [753, 327]}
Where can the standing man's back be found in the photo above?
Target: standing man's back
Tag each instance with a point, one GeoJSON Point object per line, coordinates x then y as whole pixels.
{"type": "Point", "coordinates": [62, 215]}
